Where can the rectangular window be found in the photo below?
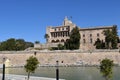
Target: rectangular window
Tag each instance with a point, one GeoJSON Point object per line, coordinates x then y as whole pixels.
{"type": "Point", "coordinates": [98, 34]}
{"type": "Point", "coordinates": [52, 34]}
{"type": "Point", "coordinates": [84, 41]}
{"type": "Point", "coordinates": [91, 40]}
{"type": "Point", "coordinates": [83, 35]}
{"type": "Point", "coordinates": [90, 35]}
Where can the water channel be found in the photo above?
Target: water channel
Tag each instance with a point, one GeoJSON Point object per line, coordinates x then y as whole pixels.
{"type": "Point", "coordinates": [67, 73]}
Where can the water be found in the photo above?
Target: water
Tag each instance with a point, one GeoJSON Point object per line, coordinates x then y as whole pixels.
{"type": "Point", "coordinates": [68, 73]}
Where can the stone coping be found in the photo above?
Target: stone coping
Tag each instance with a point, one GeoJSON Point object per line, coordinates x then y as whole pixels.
{"type": "Point", "coordinates": [61, 51]}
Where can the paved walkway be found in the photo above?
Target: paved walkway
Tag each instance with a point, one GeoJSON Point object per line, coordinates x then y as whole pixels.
{"type": "Point", "coordinates": [22, 77]}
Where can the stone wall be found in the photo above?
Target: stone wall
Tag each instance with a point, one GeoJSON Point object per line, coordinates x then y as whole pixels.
{"type": "Point", "coordinates": [64, 57]}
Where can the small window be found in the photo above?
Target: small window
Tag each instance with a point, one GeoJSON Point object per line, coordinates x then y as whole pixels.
{"type": "Point", "coordinates": [83, 35]}
{"type": "Point", "coordinates": [98, 34]}
{"type": "Point", "coordinates": [84, 41]}
{"type": "Point", "coordinates": [63, 28]}
{"type": "Point", "coordinates": [91, 41]}
{"type": "Point", "coordinates": [90, 35]}
{"type": "Point", "coordinates": [62, 40]}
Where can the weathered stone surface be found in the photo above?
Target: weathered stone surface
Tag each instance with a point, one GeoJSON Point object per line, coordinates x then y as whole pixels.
{"type": "Point", "coordinates": [64, 57]}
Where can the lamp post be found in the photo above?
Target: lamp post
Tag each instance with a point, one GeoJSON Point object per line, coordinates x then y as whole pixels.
{"type": "Point", "coordinates": [57, 70]}
{"type": "Point", "coordinates": [3, 77]}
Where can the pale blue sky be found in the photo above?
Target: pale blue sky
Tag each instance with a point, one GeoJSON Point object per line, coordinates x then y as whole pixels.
{"type": "Point", "coordinates": [28, 19]}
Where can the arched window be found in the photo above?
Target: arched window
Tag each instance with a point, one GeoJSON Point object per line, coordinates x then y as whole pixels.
{"type": "Point", "coordinates": [57, 41]}
{"type": "Point", "coordinates": [53, 41]}
{"type": "Point", "coordinates": [67, 40]}
{"type": "Point", "coordinates": [62, 40]}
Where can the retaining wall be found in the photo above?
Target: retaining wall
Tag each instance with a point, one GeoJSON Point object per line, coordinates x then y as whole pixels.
{"type": "Point", "coordinates": [18, 58]}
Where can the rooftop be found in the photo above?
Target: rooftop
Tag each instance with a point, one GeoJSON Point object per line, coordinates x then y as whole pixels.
{"type": "Point", "coordinates": [95, 28]}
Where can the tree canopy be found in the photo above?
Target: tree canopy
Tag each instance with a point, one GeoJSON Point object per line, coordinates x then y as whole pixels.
{"type": "Point", "coordinates": [106, 66]}
{"type": "Point", "coordinates": [15, 44]}
{"type": "Point", "coordinates": [111, 39]}
{"type": "Point", "coordinates": [31, 65]}
{"type": "Point", "coordinates": [99, 44]}
{"type": "Point", "coordinates": [74, 41]}
{"type": "Point", "coordinates": [37, 42]}
{"type": "Point", "coordinates": [46, 36]}
{"type": "Point", "coordinates": [60, 47]}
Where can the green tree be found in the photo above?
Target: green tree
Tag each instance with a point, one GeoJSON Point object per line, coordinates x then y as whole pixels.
{"type": "Point", "coordinates": [99, 44]}
{"type": "Point", "coordinates": [106, 66]}
{"type": "Point", "coordinates": [67, 44]}
{"type": "Point", "coordinates": [31, 65]}
{"type": "Point", "coordinates": [3, 46]}
{"type": "Point", "coordinates": [20, 44]}
{"type": "Point", "coordinates": [37, 42]}
{"type": "Point", "coordinates": [108, 38]}
{"type": "Point", "coordinates": [15, 44]}
{"type": "Point", "coordinates": [60, 47]}
{"type": "Point", "coordinates": [46, 36]}
{"type": "Point", "coordinates": [8, 45]}
{"type": "Point", "coordinates": [115, 37]}
{"type": "Point", "coordinates": [111, 37]}
{"type": "Point", "coordinates": [74, 41]}
{"type": "Point", "coordinates": [28, 44]}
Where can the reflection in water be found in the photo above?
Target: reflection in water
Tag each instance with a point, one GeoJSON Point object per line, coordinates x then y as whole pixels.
{"type": "Point", "coordinates": [7, 70]}
{"type": "Point", "coordinates": [68, 73]}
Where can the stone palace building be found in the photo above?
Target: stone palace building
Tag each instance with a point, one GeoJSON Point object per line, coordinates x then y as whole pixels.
{"type": "Point", "coordinates": [60, 34]}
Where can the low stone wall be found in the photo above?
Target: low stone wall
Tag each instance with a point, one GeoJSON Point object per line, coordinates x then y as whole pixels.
{"type": "Point", "coordinates": [49, 58]}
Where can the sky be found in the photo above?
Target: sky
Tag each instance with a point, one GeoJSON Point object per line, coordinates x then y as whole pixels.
{"type": "Point", "coordinates": [28, 19]}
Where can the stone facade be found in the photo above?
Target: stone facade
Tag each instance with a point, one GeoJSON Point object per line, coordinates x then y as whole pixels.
{"type": "Point", "coordinates": [90, 35]}
{"type": "Point", "coordinates": [59, 34]}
